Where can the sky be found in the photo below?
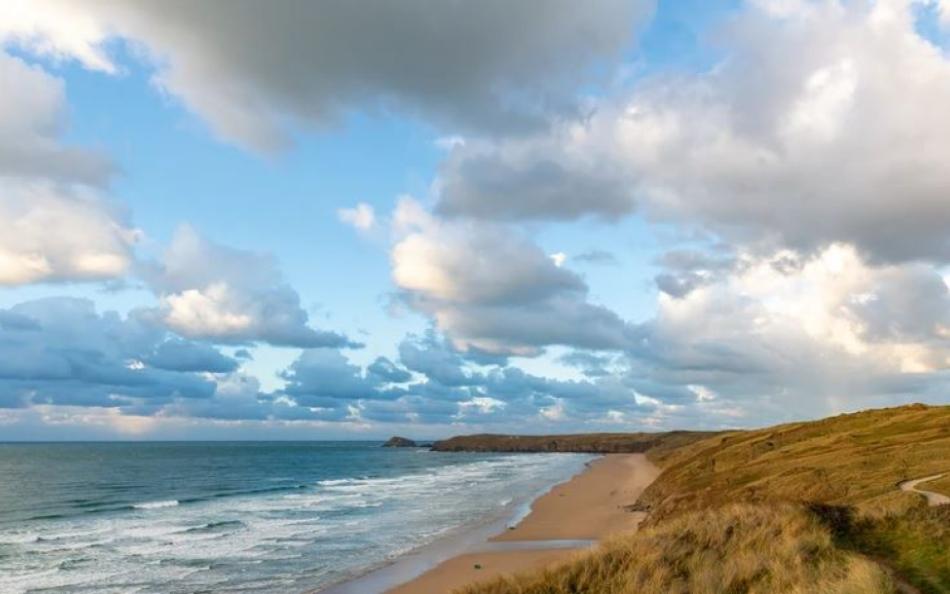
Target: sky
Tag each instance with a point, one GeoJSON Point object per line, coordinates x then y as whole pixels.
{"type": "Point", "coordinates": [348, 219]}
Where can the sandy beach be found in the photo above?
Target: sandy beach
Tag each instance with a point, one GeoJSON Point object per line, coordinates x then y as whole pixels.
{"type": "Point", "coordinates": [590, 506]}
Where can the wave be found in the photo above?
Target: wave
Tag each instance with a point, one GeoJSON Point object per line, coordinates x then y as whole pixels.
{"type": "Point", "coordinates": [216, 526]}
{"type": "Point", "coordinates": [279, 533]}
{"type": "Point", "coordinates": [156, 504]}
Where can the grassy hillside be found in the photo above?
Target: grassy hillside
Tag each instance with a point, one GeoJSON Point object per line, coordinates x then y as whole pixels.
{"type": "Point", "coordinates": [595, 443]}
{"type": "Point", "coordinates": [804, 507]}
{"type": "Point", "coordinates": [854, 459]}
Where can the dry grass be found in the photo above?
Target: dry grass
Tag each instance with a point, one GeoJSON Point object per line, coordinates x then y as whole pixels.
{"type": "Point", "coordinates": [796, 508]}
{"type": "Point", "coordinates": [737, 549]}
{"type": "Point", "coordinates": [854, 462]}
{"type": "Point", "coordinates": [855, 459]}
{"type": "Point", "coordinates": [941, 485]}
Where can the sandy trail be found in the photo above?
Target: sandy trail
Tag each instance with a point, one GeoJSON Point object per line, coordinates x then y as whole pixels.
{"type": "Point", "coordinates": [933, 498]}
{"type": "Point", "coordinates": [590, 506]}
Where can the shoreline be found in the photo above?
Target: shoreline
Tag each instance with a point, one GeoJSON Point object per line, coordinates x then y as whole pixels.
{"type": "Point", "coordinates": [567, 519]}
{"type": "Point", "coordinates": [475, 536]}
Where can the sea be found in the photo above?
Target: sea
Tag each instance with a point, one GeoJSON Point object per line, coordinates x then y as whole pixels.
{"type": "Point", "coordinates": [261, 517]}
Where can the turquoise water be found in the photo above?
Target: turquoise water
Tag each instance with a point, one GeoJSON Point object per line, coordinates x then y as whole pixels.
{"type": "Point", "coordinates": [176, 518]}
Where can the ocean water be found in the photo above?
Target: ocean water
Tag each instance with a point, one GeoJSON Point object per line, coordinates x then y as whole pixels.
{"type": "Point", "coordinates": [288, 518]}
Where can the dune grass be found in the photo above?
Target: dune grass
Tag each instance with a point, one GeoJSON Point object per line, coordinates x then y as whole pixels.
{"type": "Point", "coordinates": [803, 507]}
{"type": "Point", "coordinates": [736, 549]}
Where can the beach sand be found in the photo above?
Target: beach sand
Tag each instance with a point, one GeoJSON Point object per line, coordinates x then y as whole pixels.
{"type": "Point", "coordinates": [590, 506]}
{"type": "Point", "coordinates": [460, 570]}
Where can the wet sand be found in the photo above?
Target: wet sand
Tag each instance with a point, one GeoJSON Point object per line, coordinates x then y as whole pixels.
{"type": "Point", "coordinates": [590, 506]}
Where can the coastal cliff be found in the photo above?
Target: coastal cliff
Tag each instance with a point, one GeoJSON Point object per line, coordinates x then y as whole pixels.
{"type": "Point", "coordinates": [587, 443]}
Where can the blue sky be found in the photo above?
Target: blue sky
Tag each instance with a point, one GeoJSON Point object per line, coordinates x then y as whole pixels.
{"type": "Point", "coordinates": [637, 216]}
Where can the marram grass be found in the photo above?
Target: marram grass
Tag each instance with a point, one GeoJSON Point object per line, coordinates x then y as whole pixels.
{"type": "Point", "coordinates": [735, 549]}
{"type": "Point", "coordinates": [800, 508]}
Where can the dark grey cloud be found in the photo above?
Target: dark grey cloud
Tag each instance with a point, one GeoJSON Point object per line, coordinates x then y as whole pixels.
{"type": "Point", "coordinates": [249, 68]}
{"type": "Point", "coordinates": [508, 184]}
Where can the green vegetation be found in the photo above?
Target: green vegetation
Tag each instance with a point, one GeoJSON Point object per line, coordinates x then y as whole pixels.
{"type": "Point", "coordinates": [594, 443]}
{"type": "Point", "coordinates": [803, 507]}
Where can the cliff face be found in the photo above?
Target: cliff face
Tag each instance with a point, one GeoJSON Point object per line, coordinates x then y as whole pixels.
{"type": "Point", "coordinates": [591, 443]}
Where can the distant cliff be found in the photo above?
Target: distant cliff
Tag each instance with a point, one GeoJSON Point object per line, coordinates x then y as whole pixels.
{"type": "Point", "coordinates": [590, 443]}
{"type": "Point", "coordinates": [399, 442]}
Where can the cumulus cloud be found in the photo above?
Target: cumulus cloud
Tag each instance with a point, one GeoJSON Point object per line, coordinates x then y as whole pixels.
{"type": "Point", "coordinates": [685, 270]}
{"type": "Point", "coordinates": [491, 289]}
{"type": "Point", "coordinates": [556, 176]}
{"type": "Point", "coordinates": [361, 217]}
{"type": "Point", "coordinates": [49, 233]}
{"type": "Point", "coordinates": [444, 387]}
{"type": "Point", "coordinates": [816, 334]}
{"type": "Point", "coordinates": [61, 351]}
{"type": "Point", "coordinates": [320, 376]}
{"type": "Point", "coordinates": [213, 292]}
{"type": "Point", "coordinates": [182, 355]}
{"type": "Point", "coordinates": [32, 120]}
{"type": "Point", "coordinates": [436, 360]}
{"type": "Point", "coordinates": [822, 124]}
{"type": "Point", "coordinates": [248, 68]}
{"type": "Point", "coordinates": [60, 354]}
{"type": "Point", "coordinates": [55, 223]}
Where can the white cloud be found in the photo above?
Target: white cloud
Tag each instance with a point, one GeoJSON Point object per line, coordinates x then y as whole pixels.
{"type": "Point", "coordinates": [251, 68]}
{"type": "Point", "coordinates": [800, 335]}
{"type": "Point", "coordinates": [824, 123]}
{"type": "Point", "coordinates": [56, 29]}
{"type": "Point", "coordinates": [213, 292]}
{"type": "Point", "coordinates": [491, 289]}
{"type": "Point", "coordinates": [361, 217]}
{"type": "Point", "coordinates": [48, 234]}
{"type": "Point", "coordinates": [55, 223]}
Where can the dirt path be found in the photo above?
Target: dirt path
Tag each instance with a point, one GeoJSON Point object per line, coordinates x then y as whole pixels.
{"type": "Point", "coordinates": [933, 498]}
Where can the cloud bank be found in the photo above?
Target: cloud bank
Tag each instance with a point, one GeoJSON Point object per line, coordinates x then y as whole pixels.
{"type": "Point", "coordinates": [249, 69]}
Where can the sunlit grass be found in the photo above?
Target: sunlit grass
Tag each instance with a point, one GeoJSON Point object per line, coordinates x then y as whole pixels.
{"type": "Point", "coordinates": [803, 507]}
{"type": "Point", "coordinates": [734, 549]}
